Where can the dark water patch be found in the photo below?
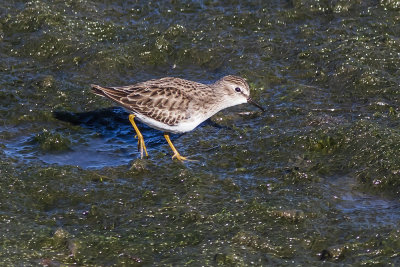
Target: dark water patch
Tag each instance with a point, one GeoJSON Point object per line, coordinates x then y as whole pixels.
{"type": "Point", "coordinates": [109, 140]}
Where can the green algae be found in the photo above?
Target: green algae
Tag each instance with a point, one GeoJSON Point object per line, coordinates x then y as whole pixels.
{"type": "Point", "coordinates": [313, 181]}
{"type": "Point", "coordinates": [50, 142]}
{"type": "Point", "coordinates": [122, 220]}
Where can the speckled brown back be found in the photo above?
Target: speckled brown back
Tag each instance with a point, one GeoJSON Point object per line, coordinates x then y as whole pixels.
{"type": "Point", "coordinates": [162, 100]}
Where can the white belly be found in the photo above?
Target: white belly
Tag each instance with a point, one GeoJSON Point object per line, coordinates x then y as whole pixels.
{"type": "Point", "coordinates": [182, 127]}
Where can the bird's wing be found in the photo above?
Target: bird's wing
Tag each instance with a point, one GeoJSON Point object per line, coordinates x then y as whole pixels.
{"type": "Point", "coordinates": [162, 100]}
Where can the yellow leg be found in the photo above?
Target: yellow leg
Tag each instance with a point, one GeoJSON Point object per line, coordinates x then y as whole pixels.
{"type": "Point", "coordinates": [141, 145]}
{"type": "Point", "coordinates": [176, 153]}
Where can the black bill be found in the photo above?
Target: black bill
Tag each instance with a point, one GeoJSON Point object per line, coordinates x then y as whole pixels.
{"type": "Point", "coordinates": [250, 101]}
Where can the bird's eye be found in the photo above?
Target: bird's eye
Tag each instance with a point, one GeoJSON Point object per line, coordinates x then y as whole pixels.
{"type": "Point", "coordinates": [237, 89]}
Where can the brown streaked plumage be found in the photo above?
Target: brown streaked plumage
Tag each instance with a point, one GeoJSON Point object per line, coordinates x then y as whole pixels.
{"type": "Point", "coordinates": [175, 105]}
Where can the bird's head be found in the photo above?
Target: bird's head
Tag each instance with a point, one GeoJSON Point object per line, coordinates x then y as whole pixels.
{"type": "Point", "coordinates": [236, 90]}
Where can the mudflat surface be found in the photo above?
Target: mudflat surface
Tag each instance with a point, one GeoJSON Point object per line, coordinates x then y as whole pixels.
{"type": "Point", "coordinates": [314, 181]}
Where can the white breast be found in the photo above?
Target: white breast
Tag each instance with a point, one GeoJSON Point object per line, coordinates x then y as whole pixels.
{"type": "Point", "coordinates": [182, 127]}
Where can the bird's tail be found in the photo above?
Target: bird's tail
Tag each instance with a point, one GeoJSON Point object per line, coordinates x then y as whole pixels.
{"type": "Point", "coordinates": [98, 90]}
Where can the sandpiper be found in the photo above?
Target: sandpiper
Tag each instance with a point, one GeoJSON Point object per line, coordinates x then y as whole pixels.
{"type": "Point", "coordinates": [175, 105]}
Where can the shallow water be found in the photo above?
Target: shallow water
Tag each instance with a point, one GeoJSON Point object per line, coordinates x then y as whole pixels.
{"type": "Point", "coordinates": [313, 181]}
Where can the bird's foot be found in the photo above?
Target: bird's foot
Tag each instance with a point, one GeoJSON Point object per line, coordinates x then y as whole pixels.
{"type": "Point", "coordinates": [181, 158]}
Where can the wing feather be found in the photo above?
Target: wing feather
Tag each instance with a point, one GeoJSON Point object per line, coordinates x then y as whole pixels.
{"type": "Point", "coordinates": [162, 100]}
